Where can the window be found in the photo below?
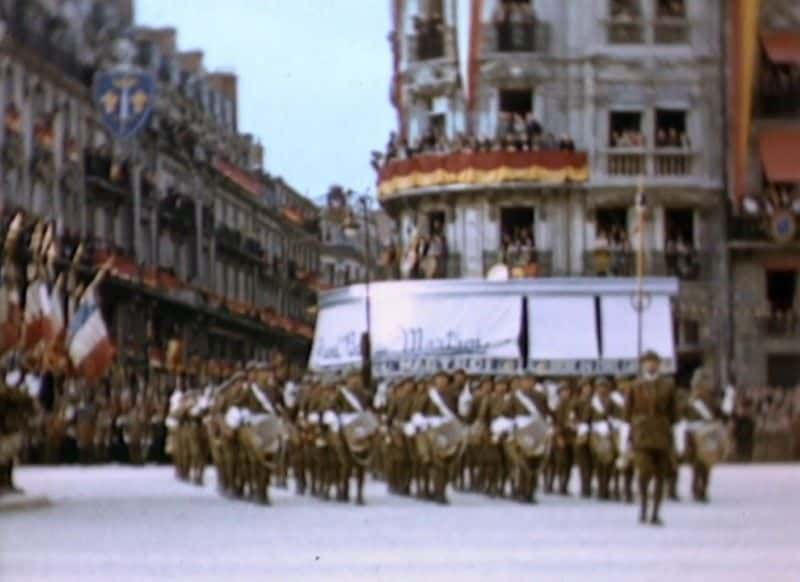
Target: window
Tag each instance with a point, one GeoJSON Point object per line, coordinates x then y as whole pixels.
{"type": "Point", "coordinates": [436, 222]}
{"type": "Point", "coordinates": [783, 370]}
{"type": "Point", "coordinates": [670, 128]}
{"type": "Point", "coordinates": [781, 290]}
{"type": "Point", "coordinates": [516, 224]}
{"type": "Point", "coordinates": [516, 101]}
{"type": "Point", "coordinates": [671, 26]}
{"type": "Point", "coordinates": [625, 22]}
{"type": "Point", "coordinates": [515, 26]}
{"type": "Point", "coordinates": [687, 364]}
{"type": "Point", "coordinates": [625, 129]}
{"type": "Point", "coordinates": [437, 122]}
{"type": "Point", "coordinates": [679, 227]}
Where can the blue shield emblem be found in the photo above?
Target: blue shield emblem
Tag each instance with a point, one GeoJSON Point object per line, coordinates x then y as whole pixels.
{"type": "Point", "coordinates": [124, 99]}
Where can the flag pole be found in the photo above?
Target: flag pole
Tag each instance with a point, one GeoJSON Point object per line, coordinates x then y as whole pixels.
{"type": "Point", "coordinates": [640, 209]}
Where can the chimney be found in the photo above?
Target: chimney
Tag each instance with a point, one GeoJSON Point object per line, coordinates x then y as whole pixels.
{"type": "Point", "coordinates": [163, 37]}
{"type": "Point", "coordinates": [191, 62]}
{"type": "Point", "coordinates": [225, 83]}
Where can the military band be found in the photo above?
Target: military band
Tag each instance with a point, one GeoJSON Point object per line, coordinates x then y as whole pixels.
{"type": "Point", "coordinates": [503, 437]}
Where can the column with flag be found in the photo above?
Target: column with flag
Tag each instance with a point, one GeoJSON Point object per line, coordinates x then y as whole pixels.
{"type": "Point", "coordinates": [37, 329]}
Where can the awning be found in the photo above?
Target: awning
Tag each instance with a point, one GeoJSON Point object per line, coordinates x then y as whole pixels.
{"type": "Point", "coordinates": [782, 48]}
{"type": "Point", "coordinates": [780, 150]}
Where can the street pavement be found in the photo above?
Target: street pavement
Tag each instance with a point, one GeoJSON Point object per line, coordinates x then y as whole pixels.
{"type": "Point", "coordinates": [124, 524]}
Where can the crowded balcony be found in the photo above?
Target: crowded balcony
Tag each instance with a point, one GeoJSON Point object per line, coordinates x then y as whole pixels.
{"type": "Point", "coordinates": [105, 173]}
{"type": "Point", "coordinates": [629, 155]}
{"type": "Point", "coordinates": [671, 25]}
{"type": "Point", "coordinates": [626, 24]}
{"type": "Point", "coordinates": [176, 212]}
{"type": "Point", "coordinates": [778, 324]}
{"type": "Point", "coordinates": [687, 264]}
{"type": "Point", "coordinates": [512, 156]}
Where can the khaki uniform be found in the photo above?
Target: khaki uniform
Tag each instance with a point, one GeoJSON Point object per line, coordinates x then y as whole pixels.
{"type": "Point", "coordinates": [581, 411]}
{"type": "Point", "coordinates": [651, 410]}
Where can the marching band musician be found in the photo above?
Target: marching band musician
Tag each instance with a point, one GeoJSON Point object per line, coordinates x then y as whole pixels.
{"type": "Point", "coordinates": [706, 438]}
{"type": "Point", "coordinates": [651, 410]}
{"type": "Point", "coordinates": [583, 455]}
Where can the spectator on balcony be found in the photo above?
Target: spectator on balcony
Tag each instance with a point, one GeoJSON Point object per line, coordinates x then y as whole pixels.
{"type": "Point", "coordinates": [532, 126]}
{"type": "Point", "coordinates": [619, 246]}
{"type": "Point", "coordinates": [565, 143]}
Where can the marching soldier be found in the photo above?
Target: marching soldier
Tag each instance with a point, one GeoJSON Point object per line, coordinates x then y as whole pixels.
{"type": "Point", "coordinates": [707, 437]}
{"type": "Point", "coordinates": [582, 406]}
{"type": "Point", "coordinates": [529, 446]}
{"type": "Point", "coordinates": [601, 437]}
{"type": "Point", "coordinates": [564, 437]}
{"type": "Point", "coordinates": [651, 410]}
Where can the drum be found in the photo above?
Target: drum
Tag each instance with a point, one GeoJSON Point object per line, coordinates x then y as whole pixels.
{"type": "Point", "coordinates": [602, 447]}
{"type": "Point", "coordinates": [446, 439]}
{"type": "Point", "coordinates": [710, 442]}
{"type": "Point", "coordinates": [359, 431]}
{"type": "Point", "coordinates": [266, 434]}
{"type": "Point", "coordinates": [532, 439]}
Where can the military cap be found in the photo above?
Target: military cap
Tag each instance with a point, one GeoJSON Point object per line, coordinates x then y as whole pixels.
{"type": "Point", "coordinates": [602, 381]}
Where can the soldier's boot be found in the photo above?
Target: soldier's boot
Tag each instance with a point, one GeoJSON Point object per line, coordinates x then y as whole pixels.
{"type": "Point", "coordinates": [672, 483]}
{"type": "Point", "coordinates": [360, 475]}
{"type": "Point", "coordinates": [628, 476]}
{"type": "Point", "coordinates": [655, 519]}
{"type": "Point", "coordinates": [440, 484]}
{"type": "Point", "coordinates": [644, 485]}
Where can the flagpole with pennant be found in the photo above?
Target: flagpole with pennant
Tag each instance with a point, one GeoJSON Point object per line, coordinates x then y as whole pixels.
{"type": "Point", "coordinates": [641, 206]}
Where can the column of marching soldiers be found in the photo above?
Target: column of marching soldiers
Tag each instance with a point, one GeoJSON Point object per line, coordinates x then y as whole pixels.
{"type": "Point", "coordinates": [505, 437]}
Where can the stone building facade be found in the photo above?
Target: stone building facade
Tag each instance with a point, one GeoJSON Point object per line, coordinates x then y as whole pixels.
{"type": "Point", "coordinates": [206, 247]}
{"type": "Point", "coordinates": [636, 86]}
{"type": "Point", "coordinates": [764, 230]}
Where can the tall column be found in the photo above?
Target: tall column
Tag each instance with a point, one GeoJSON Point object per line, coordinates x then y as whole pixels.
{"type": "Point", "coordinates": [26, 197]}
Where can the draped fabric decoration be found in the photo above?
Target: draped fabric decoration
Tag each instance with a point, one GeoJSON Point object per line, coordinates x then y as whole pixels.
{"type": "Point", "coordinates": [483, 168]}
{"type": "Point", "coordinates": [743, 37]}
{"type": "Point", "coordinates": [476, 35]}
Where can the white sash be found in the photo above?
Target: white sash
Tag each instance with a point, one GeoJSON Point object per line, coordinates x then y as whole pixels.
{"type": "Point", "coordinates": [261, 397]}
{"type": "Point", "coordinates": [597, 405]}
{"type": "Point", "coordinates": [528, 404]}
{"type": "Point", "coordinates": [701, 409]}
{"type": "Point", "coordinates": [618, 399]}
{"type": "Point", "coordinates": [351, 399]}
{"type": "Point", "coordinates": [436, 398]}
{"type": "Point", "coordinates": [464, 401]}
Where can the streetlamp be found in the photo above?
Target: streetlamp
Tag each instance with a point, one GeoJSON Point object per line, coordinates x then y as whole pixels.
{"type": "Point", "coordinates": [351, 227]}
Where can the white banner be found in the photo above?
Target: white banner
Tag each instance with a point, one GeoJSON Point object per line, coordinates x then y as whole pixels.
{"type": "Point", "coordinates": [562, 328]}
{"type": "Point", "coordinates": [427, 333]}
{"type": "Point", "coordinates": [620, 321]}
{"type": "Point", "coordinates": [337, 339]}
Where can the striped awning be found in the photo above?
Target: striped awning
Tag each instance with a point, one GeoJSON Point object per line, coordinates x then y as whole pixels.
{"type": "Point", "coordinates": [782, 47]}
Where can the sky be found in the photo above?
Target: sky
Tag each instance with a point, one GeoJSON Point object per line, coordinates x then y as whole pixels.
{"type": "Point", "coordinates": [313, 78]}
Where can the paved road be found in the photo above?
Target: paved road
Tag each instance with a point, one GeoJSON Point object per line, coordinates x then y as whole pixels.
{"type": "Point", "coordinates": [120, 524]}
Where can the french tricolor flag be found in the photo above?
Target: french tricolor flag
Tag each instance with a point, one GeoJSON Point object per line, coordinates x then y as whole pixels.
{"type": "Point", "coordinates": [88, 343]}
{"type": "Point", "coordinates": [37, 326]}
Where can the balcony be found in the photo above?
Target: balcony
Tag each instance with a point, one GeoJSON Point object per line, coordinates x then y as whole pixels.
{"type": "Point", "coordinates": [103, 174]}
{"type": "Point", "coordinates": [779, 324]}
{"type": "Point", "coordinates": [625, 30]}
{"type": "Point", "coordinates": [478, 169]}
{"type": "Point", "coordinates": [757, 229]}
{"type": "Point", "coordinates": [515, 37]}
{"type": "Point", "coordinates": [539, 265]}
{"type": "Point", "coordinates": [671, 30]}
{"type": "Point", "coordinates": [779, 96]}
{"type": "Point", "coordinates": [688, 266]}
{"type": "Point", "coordinates": [660, 162]}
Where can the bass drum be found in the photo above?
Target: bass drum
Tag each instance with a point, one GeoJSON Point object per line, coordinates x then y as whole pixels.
{"type": "Point", "coordinates": [447, 439]}
{"type": "Point", "coordinates": [358, 432]}
{"type": "Point", "coordinates": [602, 447]}
{"type": "Point", "coordinates": [266, 435]}
{"type": "Point", "coordinates": [710, 443]}
{"type": "Point", "coordinates": [533, 439]}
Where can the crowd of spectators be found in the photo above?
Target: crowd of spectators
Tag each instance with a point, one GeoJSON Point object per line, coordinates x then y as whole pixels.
{"type": "Point", "coordinates": [515, 133]}
{"type": "Point", "coordinates": [518, 248]}
{"type": "Point", "coordinates": [612, 251]}
{"type": "Point", "coordinates": [766, 425]}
